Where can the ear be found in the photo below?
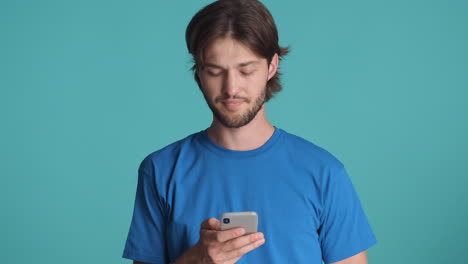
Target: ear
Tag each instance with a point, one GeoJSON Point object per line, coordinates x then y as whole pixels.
{"type": "Point", "coordinates": [197, 71]}
{"type": "Point", "coordinates": [197, 74]}
{"type": "Point", "coordinates": [273, 67]}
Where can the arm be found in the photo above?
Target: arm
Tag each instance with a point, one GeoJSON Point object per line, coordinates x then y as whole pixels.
{"type": "Point", "coordinates": [360, 258]}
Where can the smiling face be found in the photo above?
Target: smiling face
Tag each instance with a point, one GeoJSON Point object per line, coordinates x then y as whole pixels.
{"type": "Point", "coordinates": [233, 81]}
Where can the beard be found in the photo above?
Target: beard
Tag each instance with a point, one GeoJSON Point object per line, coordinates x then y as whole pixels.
{"type": "Point", "coordinates": [236, 120]}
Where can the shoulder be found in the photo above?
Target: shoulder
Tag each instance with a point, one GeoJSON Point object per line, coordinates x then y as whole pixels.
{"type": "Point", "coordinates": [306, 150]}
{"type": "Point", "coordinates": [169, 153]}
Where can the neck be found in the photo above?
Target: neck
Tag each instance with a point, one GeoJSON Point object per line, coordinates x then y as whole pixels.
{"type": "Point", "coordinates": [248, 137]}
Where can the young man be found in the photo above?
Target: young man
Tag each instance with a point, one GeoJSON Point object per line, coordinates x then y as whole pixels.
{"type": "Point", "coordinates": [308, 209]}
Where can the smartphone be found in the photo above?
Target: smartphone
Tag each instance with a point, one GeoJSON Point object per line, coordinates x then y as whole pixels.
{"type": "Point", "coordinates": [246, 220]}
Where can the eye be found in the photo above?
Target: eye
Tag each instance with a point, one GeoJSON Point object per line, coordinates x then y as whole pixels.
{"type": "Point", "coordinates": [213, 72]}
{"type": "Point", "coordinates": [247, 73]}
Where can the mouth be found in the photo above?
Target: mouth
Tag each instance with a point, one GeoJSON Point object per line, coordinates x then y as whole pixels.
{"type": "Point", "coordinates": [232, 104]}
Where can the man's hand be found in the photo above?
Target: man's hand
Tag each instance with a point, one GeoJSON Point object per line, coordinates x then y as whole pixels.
{"type": "Point", "coordinates": [220, 247]}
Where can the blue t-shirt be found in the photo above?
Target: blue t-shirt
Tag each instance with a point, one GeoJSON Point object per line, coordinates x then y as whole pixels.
{"type": "Point", "coordinates": [307, 206]}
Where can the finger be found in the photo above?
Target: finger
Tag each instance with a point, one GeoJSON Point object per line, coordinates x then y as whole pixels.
{"type": "Point", "coordinates": [223, 236]}
{"type": "Point", "coordinates": [239, 252]}
{"type": "Point", "coordinates": [211, 224]}
{"type": "Point", "coordinates": [241, 241]}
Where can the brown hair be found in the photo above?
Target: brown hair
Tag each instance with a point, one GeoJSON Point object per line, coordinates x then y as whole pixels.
{"type": "Point", "coordinates": [247, 21]}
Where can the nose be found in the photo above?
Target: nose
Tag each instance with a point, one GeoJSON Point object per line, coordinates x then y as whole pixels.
{"type": "Point", "coordinates": [231, 84]}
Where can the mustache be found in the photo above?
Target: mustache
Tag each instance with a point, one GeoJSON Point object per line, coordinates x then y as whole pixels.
{"type": "Point", "coordinates": [227, 97]}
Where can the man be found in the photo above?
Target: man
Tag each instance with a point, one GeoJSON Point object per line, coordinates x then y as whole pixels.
{"type": "Point", "coordinates": [307, 207]}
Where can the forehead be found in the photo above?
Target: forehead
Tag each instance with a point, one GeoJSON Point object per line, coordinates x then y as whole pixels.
{"type": "Point", "coordinates": [228, 51]}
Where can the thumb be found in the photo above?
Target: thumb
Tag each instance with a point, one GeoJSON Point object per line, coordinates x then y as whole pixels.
{"type": "Point", "coordinates": [211, 224]}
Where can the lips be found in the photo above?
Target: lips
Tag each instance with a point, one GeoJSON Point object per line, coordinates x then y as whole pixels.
{"type": "Point", "coordinates": [232, 104]}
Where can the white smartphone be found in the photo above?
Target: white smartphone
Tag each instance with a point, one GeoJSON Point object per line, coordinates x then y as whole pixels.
{"type": "Point", "coordinates": [246, 220]}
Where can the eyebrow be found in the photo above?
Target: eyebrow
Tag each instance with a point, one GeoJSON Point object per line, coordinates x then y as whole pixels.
{"type": "Point", "coordinates": [240, 65]}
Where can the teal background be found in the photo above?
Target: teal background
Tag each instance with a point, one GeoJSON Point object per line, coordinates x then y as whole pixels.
{"type": "Point", "coordinates": [89, 88]}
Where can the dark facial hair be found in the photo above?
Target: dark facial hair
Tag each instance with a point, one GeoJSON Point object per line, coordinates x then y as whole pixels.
{"type": "Point", "coordinates": [244, 119]}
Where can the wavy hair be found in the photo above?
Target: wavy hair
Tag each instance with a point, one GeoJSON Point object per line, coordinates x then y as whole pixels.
{"type": "Point", "coordinates": [247, 21]}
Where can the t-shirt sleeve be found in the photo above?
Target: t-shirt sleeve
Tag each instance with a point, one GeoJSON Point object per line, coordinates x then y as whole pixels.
{"type": "Point", "coordinates": [344, 230]}
{"type": "Point", "coordinates": [145, 241]}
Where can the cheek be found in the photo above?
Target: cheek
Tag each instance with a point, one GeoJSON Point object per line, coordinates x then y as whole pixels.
{"type": "Point", "coordinates": [207, 84]}
{"type": "Point", "coordinates": [258, 84]}
{"type": "Point", "coordinates": [209, 88]}
{"type": "Point", "coordinates": [212, 90]}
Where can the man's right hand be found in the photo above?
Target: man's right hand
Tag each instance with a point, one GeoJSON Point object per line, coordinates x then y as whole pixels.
{"type": "Point", "coordinates": [216, 246]}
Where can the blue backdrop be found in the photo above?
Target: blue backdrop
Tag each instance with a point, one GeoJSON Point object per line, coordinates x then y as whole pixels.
{"type": "Point", "coordinates": [89, 88]}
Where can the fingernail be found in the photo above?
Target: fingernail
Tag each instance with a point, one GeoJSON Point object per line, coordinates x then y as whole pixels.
{"type": "Point", "coordinates": [259, 242]}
